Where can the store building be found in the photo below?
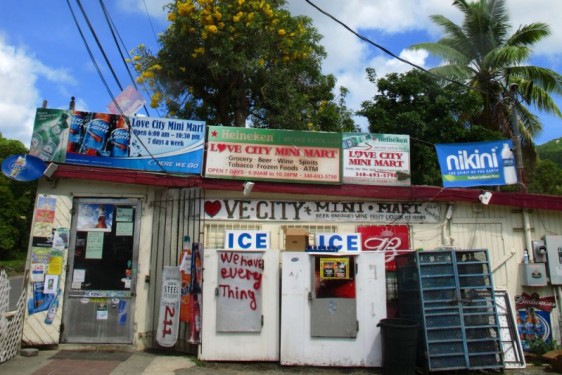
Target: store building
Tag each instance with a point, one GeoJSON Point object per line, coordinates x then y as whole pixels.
{"type": "Point", "coordinates": [104, 235]}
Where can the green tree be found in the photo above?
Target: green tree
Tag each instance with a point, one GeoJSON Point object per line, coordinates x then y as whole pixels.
{"type": "Point", "coordinates": [414, 103]}
{"type": "Point", "coordinates": [17, 206]}
{"type": "Point", "coordinates": [546, 179]}
{"type": "Point", "coordinates": [234, 62]}
{"type": "Point", "coordinates": [482, 53]}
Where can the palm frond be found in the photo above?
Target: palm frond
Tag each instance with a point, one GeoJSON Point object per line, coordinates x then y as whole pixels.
{"type": "Point", "coordinates": [527, 35]}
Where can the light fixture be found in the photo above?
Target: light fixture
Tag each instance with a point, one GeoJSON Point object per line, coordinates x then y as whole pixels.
{"type": "Point", "coordinates": [50, 171]}
{"type": "Point", "coordinates": [248, 186]}
{"type": "Point", "coordinates": [485, 197]}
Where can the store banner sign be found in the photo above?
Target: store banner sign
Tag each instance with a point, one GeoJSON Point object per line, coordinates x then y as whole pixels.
{"type": "Point", "coordinates": [270, 210]}
{"type": "Point", "coordinates": [247, 240]}
{"type": "Point", "coordinates": [376, 159]}
{"type": "Point", "coordinates": [273, 155]}
{"type": "Point", "coordinates": [127, 142]}
{"type": "Point", "coordinates": [477, 164]}
{"type": "Point", "coordinates": [393, 240]}
{"type": "Point", "coordinates": [342, 242]}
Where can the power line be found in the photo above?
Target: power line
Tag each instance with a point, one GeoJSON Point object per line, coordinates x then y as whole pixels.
{"type": "Point", "coordinates": [388, 52]}
{"type": "Point", "coordinates": [113, 30]}
{"type": "Point", "coordinates": [90, 51]}
{"type": "Point", "coordinates": [99, 44]}
{"type": "Point", "coordinates": [106, 84]}
{"type": "Point", "coordinates": [149, 20]}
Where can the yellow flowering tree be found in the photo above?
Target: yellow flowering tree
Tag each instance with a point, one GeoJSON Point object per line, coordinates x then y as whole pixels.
{"type": "Point", "coordinates": [234, 62]}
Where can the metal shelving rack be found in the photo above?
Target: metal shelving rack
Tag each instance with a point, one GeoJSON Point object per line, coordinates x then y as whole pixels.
{"type": "Point", "coordinates": [451, 295]}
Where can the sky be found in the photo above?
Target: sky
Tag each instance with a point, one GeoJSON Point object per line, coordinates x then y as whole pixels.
{"type": "Point", "coordinates": [43, 56]}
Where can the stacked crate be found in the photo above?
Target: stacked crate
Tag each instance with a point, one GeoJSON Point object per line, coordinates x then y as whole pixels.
{"type": "Point", "coordinates": [451, 295]}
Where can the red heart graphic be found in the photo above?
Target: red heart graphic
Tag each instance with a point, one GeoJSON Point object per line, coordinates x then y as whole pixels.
{"type": "Point", "coordinates": [212, 208]}
{"type": "Point", "coordinates": [221, 147]}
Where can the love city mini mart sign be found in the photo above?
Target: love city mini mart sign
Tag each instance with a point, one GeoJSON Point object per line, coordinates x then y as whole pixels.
{"type": "Point", "coordinates": [273, 155]}
{"type": "Point", "coordinates": [271, 210]}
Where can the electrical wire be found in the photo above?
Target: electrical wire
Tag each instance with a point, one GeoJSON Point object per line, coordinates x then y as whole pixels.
{"type": "Point", "coordinates": [99, 44]}
{"type": "Point", "coordinates": [113, 30]}
{"type": "Point", "coordinates": [150, 20]}
{"type": "Point", "coordinates": [106, 84]}
{"type": "Point", "coordinates": [388, 52]}
{"type": "Point", "coordinates": [89, 50]}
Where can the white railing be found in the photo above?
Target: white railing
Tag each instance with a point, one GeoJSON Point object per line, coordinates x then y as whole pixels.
{"type": "Point", "coordinates": [11, 322]}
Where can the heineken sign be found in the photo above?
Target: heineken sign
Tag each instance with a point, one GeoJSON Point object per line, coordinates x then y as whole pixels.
{"type": "Point", "coordinates": [274, 155]}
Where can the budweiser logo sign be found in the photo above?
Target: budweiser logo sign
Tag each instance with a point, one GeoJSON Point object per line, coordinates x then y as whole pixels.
{"type": "Point", "coordinates": [543, 303]}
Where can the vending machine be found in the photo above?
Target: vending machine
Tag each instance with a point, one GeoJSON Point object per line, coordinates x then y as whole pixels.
{"type": "Point", "coordinates": [330, 305]}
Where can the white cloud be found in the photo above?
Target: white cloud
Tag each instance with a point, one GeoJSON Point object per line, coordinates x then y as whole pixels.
{"type": "Point", "coordinates": [19, 72]}
{"type": "Point", "coordinates": [152, 8]}
{"type": "Point", "coordinates": [348, 56]}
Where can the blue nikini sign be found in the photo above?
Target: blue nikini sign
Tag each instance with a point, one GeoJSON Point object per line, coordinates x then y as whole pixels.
{"type": "Point", "coordinates": [477, 164]}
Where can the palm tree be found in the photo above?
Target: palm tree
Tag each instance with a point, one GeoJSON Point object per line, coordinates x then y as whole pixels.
{"type": "Point", "coordinates": [482, 54]}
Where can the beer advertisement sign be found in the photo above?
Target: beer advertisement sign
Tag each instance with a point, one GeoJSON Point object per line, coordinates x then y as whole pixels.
{"type": "Point", "coordinates": [116, 141]}
{"type": "Point", "coordinates": [274, 155]}
{"type": "Point", "coordinates": [376, 159]}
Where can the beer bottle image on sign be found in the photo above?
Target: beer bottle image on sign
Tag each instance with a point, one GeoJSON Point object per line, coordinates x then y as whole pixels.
{"type": "Point", "coordinates": [76, 132]}
{"type": "Point", "coordinates": [119, 139]}
{"type": "Point", "coordinates": [509, 171]}
{"type": "Point", "coordinates": [47, 139]}
{"type": "Point", "coordinates": [95, 135]}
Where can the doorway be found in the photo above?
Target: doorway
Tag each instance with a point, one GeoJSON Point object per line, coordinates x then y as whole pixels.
{"type": "Point", "coordinates": [102, 273]}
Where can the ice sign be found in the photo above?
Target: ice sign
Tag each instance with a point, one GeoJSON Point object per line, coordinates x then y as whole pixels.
{"type": "Point", "coordinates": [246, 240]}
{"type": "Point", "coordinates": [342, 242]}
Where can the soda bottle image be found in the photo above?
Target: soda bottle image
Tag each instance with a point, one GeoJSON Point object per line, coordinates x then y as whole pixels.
{"type": "Point", "coordinates": [75, 132]}
{"type": "Point", "coordinates": [95, 135]}
{"type": "Point", "coordinates": [509, 170]}
{"type": "Point", "coordinates": [53, 307]}
{"type": "Point", "coordinates": [119, 139]}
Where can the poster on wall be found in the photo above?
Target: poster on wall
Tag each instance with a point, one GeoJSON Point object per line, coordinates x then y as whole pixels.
{"type": "Point", "coordinates": [273, 155]}
{"type": "Point", "coordinates": [391, 239]}
{"type": "Point", "coordinates": [477, 164]}
{"type": "Point", "coordinates": [334, 268]}
{"type": "Point", "coordinates": [95, 217]}
{"type": "Point", "coordinates": [533, 319]}
{"type": "Point", "coordinates": [376, 159]}
{"type": "Point", "coordinates": [44, 216]}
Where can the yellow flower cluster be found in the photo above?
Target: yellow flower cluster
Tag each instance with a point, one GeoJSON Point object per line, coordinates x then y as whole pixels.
{"type": "Point", "coordinates": [198, 51]}
{"type": "Point", "coordinates": [156, 99]}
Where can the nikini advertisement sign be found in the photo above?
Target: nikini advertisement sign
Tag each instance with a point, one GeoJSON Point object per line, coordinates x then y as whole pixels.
{"type": "Point", "coordinates": [273, 155]}
{"type": "Point", "coordinates": [376, 159]}
{"type": "Point", "coordinates": [116, 141]}
{"type": "Point", "coordinates": [477, 164]}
